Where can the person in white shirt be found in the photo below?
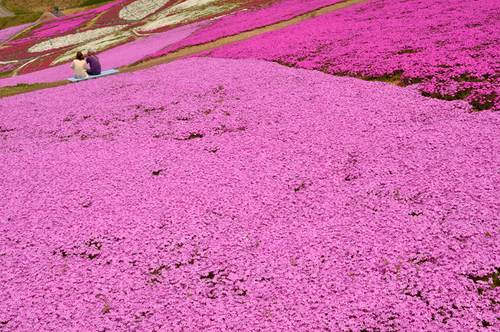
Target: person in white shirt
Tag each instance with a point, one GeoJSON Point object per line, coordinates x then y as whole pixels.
{"type": "Point", "coordinates": [79, 66]}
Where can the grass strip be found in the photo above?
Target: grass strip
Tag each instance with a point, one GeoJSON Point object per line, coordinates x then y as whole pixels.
{"type": "Point", "coordinates": [19, 19]}
{"type": "Point", "coordinates": [95, 2]}
{"type": "Point", "coordinates": [24, 88]}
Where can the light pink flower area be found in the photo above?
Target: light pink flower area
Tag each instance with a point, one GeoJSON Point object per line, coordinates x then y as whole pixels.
{"type": "Point", "coordinates": [217, 194]}
{"type": "Point", "coordinates": [123, 55]}
{"type": "Point", "coordinates": [451, 46]}
{"type": "Point", "coordinates": [135, 51]}
{"type": "Point", "coordinates": [247, 20]}
{"type": "Point", "coordinates": [5, 34]}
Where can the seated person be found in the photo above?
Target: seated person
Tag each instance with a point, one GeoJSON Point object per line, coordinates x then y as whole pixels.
{"type": "Point", "coordinates": [94, 63]}
{"type": "Point", "coordinates": [79, 66]}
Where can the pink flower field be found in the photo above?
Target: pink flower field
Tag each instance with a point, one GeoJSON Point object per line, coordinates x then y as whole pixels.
{"type": "Point", "coordinates": [275, 184]}
{"type": "Point", "coordinates": [55, 28]}
{"type": "Point", "coordinates": [242, 195]}
{"type": "Point", "coordinates": [247, 16]}
{"type": "Point", "coordinates": [123, 55]}
{"type": "Point", "coordinates": [245, 21]}
{"type": "Point", "coordinates": [450, 47]}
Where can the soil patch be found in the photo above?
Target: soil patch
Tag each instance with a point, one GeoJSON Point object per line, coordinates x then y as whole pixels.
{"type": "Point", "coordinates": [46, 16]}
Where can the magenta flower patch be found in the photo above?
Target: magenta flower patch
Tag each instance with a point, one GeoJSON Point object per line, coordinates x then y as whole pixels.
{"type": "Point", "coordinates": [450, 47]}
{"type": "Point", "coordinates": [54, 28]}
{"type": "Point", "coordinates": [218, 194]}
{"type": "Point", "coordinates": [247, 20]}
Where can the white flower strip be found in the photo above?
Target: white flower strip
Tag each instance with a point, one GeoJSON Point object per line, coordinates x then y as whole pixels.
{"type": "Point", "coordinates": [73, 39]}
{"type": "Point", "coordinates": [98, 45]}
{"type": "Point", "coordinates": [8, 62]}
{"type": "Point", "coordinates": [189, 4]}
{"type": "Point", "coordinates": [184, 16]}
{"type": "Point", "coordinates": [139, 9]}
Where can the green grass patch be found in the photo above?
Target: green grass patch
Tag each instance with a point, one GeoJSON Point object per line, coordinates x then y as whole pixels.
{"type": "Point", "coordinates": [23, 88]}
{"type": "Point", "coordinates": [20, 7]}
{"type": "Point", "coordinates": [492, 279]}
{"type": "Point", "coordinates": [95, 2]}
{"type": "Point", "coordinates": [6, 73]}
{"type": "Point", "coordinates": [21, 18]}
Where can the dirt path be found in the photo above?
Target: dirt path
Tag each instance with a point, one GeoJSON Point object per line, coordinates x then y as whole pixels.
{"type": "Point", "coordinates": [4, 12]}
{"type": "Point", "coordinates": [58, 14]}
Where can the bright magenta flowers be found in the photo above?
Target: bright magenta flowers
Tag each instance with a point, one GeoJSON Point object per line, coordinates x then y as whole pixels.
{"type": "Point", "coordinates": [189, 195]}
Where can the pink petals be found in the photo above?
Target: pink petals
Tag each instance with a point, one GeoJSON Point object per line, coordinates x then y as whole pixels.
{"type": "Point", "coordinates": [254, 216]}
{"type": "Point", "coordinates": [450, 47]}
{"type": "Point", "coordinates": [247, 20]}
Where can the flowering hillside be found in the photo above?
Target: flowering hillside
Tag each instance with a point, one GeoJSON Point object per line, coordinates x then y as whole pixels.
{"type": "Point", "coordinates": [55, 42]}
{"type": "Point", "coordinates": [116, 57]}
{"type": "Point", "coordinates": [216, 194]}
{"type": "Point", "coordinates": [227, 192]}
{"type": "Point", "coordinates": [246, 21]}
{"type": "Point", "coordinates": [451, 47]}
{"type": "Point", "coordinates": [40, 38]}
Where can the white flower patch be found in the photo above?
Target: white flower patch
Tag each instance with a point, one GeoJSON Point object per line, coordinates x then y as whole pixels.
{"type": "Point", "coordinates": [8, 62]}
{"type": "Point", "coordinates": [76, 38]}
{"type": "Point", "coordinates": [189, 4]}
{"type": "Point", "coordinates": [98, 45]}
{"type": "Point", "coordinates": [139, 9]}
{"type": "Point", "coordinates": [185, 15]}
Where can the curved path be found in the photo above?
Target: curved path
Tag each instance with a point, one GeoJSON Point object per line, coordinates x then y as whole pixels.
{"type": "Point", "coordinates": [4, 12]}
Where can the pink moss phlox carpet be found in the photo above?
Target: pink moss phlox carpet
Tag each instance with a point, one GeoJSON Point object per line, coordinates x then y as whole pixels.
{"type": "Point", "coordinates": [190, 195]}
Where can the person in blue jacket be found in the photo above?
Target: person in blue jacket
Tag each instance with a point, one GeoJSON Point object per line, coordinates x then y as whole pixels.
{"type": "Point", "coordinates": [94, 63]}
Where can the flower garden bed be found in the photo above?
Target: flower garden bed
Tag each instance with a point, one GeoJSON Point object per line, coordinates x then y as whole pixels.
{"type": "Point", "coordinates": [49, 30]}
{"type": "Point", "coordinates": [62, 57]}
{"type": "Point", "coordinates": [63, 32]}
{"type": "Point", "coordinates": [141, 9]}
{"type": "Point", "coordinates": [196, 11]}
{"type": "Point", "coordinates": [32, 47]}
{"type": "Point", "coordinates": [101, 44]}
{"type": "Point", "coordinates": [62, 26]}
{"type": "Point", "coordinates": [114, 57]}
{"type": "Point", "coordinates": [134, 51]}
{"type": "Point", "coordinates": [192, 194]}
{"type": "Point", "coordinates": [253, 18]}
{"type": "Point", "coordinates": [40, 63]}
{"type": "Point", "coordinates": [75, 38]}
{"type": "Point", "coordinates": [111, 15]}
{"type": "Point", "coordinates": [450, 47]}
{"type": "Point", "coordinates": [6, 34]}
{"type": "Point", "coordinates": [7, 67]}
{"type": "Point", "coordinates": [18, 51]}
{"type": "Point", "coordinates": [54, 28]}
